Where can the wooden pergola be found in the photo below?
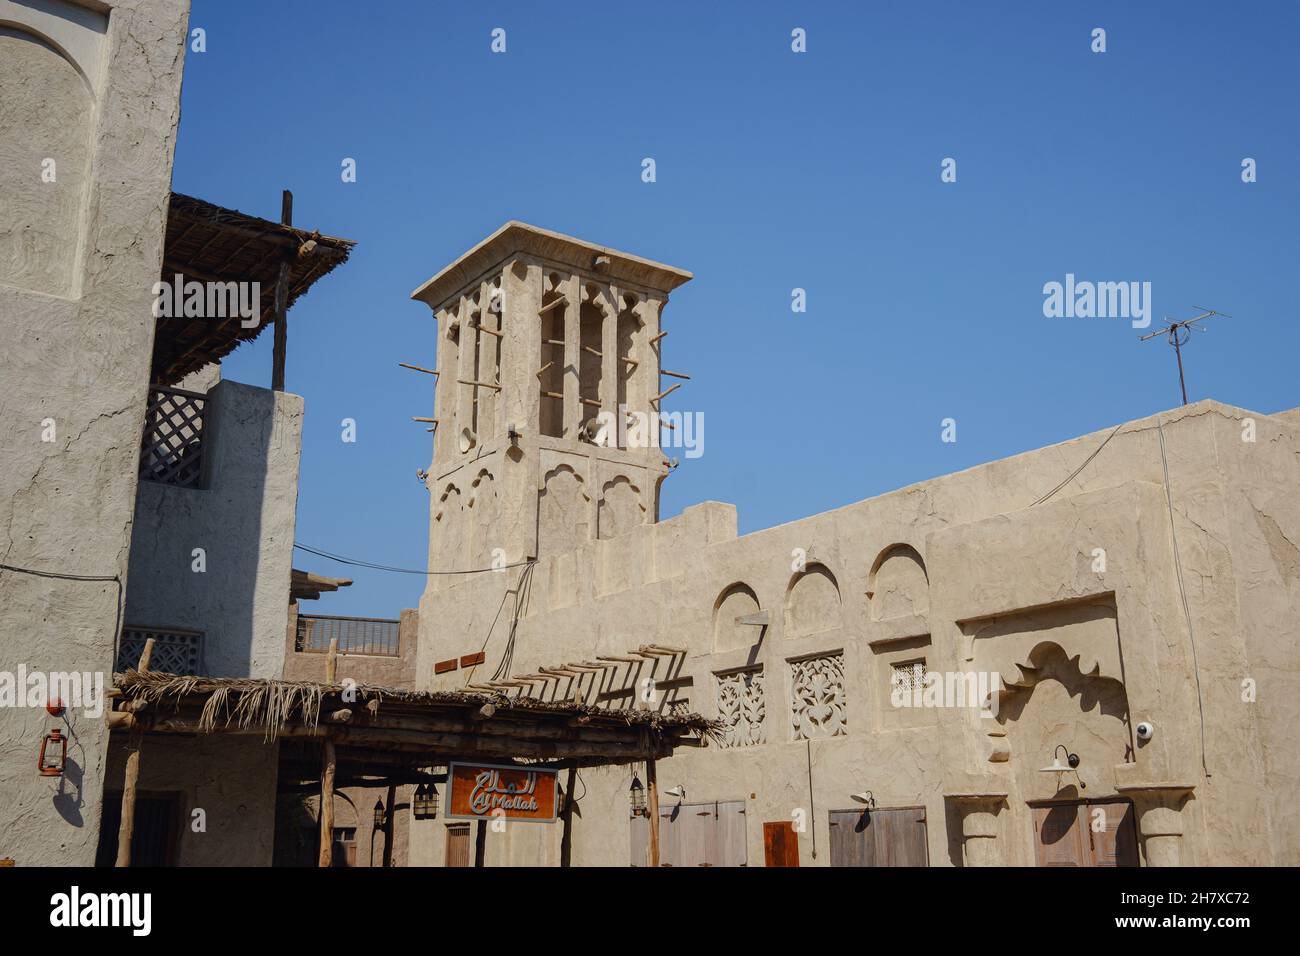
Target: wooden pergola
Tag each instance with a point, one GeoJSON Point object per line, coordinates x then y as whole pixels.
{"type": "Point", "coordinates": [391, 734]}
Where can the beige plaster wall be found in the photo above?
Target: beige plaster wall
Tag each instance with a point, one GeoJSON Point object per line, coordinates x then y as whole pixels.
{"type": "Point", "coordinates": [987, 580]}
{"type": "Point", "coordinates": [231, 779]}
{"type": "Point", "coordinates": [77, 259]}
{"type": "Point", "coordinates": [243, 519]}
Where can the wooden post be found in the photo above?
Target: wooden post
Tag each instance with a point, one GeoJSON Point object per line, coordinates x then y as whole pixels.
{"type": "Point", "coordinates": [327, 772]}
{"type": "Point", "coordinates": [327, 806]}
{"type": "Point", "coordinates": [282, 304]}
{"type": "Point", "coordinates": [566, 839]}
{"type": "Point", "coordinates": [388, 824]}
{"type": "Point", "coordinates": [652, 809]}
{"type": "Point", "coordinates": [126, 828]}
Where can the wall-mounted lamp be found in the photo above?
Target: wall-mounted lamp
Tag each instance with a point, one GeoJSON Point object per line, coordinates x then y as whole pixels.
{"type": "Point", "coordinates": [379, 814]}
{"type": "Point", "coordinates": [54, 754]}
{"type": "Point", "coordinates": [424, 802]}
{"type": "Point", "coordinates": [866, 798]}
{"type": "Point", "coordinates": [636, 797]}
{"type": "Point", "coordinates": [678, 791]}
{"type": "Point", "coordinates": [1071, 765]}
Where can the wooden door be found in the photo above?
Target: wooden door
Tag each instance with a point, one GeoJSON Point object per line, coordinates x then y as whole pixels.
{"type": "Point", "coordinates": [457, 844]}
{"type": "Point", "coordinates": [1112, 832]}
{"type": "Point", "coordinates": [894, 837]}
{"type": "Point", "coordinates": [153, 839]}
{"type": "Point", "coordinates": [731, 847]}
{"type": "Point", "coordinates": [1058, 836]}
{"type": "Point", "coordinates": [780, 844]}
{"type": "Point", "coordinates": [693, 835]}
{"type": "Point", "coordinates": [1085, 833]}
{"type": "Point", "coordinates": [639, 845]}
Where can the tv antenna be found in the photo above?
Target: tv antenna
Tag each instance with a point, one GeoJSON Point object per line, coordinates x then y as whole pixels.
{"type": "Point", "coordinates": [1180, 333]}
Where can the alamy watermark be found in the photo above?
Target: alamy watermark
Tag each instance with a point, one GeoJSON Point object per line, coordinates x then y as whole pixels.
{"type": "Point", "coordinates": [208, 300]}
{"type": "Point", "coordinates": [1102, 300]}
{"type": "Point", "coordinates": [83, 690]}
{"type": "Point", "coordinates": [645, 430]}
{"type": "Point", "coordinates": [916, 687]}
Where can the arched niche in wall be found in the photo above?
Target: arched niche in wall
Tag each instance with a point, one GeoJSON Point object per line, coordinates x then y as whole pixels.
{"type": "Point", "coordinates": [447, 529]}
{"type": "Point", "coordinates": [481, 513]}
{"type": "Point", "coordinates": [562, 514]}
{"type": "Point", "coordinates": [812, 602]}
{"type": "Point", "coordinates": [46, 114]}
{"type": "Point", "coordinates": [1056, 698]}
{"type": "Point", "coordinates": [898, 585]}
{"type": "Point", "coordinates": [620, 508]}
{"type": "Point", "coordinates": [734, 601]}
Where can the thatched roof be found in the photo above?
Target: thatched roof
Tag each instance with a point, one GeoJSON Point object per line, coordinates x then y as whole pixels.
{"type": "Point", "coordinates": [210, 243]}
{"type": "Point", "coordinates": [443, 723]}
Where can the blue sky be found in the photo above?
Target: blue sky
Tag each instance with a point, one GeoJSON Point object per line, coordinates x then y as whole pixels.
{"type": "Point", "coordinates": [775, 170]}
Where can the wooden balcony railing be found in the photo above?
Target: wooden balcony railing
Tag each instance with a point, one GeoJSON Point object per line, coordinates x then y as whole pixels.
{"type": "Point", "coordinates": [171, 451]}
{"type": "Point", "coordinates": [375, 636]}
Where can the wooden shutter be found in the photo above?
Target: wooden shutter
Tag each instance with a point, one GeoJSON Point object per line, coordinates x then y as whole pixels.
{"type": "Point", "coordinates": [895, 837]}
{"type": "Point", "coordinates": [1058, 836]}
{"type": "Point", "coordinates": [639, 835]}
{"type": "Point", "coordinates": [780, 844]}
{"type": "Point", "coordinates": [458, 844]}
{"type": "Point", "coordinates": [693, 835]}
{"type": "Point", "coordinates": [849, 839]}
{"type": "Point", "coordinates": [1115, 844]}
{"type": "Point", "coordinates": [731, 835]}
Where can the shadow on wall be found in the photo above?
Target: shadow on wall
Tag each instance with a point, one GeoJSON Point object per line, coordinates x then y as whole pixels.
{"type": "Point", "coordinates": [215, 559]}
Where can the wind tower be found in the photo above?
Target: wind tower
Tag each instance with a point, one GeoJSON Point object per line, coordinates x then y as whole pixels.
{"type": "Point", "coordinates": [545, 345]}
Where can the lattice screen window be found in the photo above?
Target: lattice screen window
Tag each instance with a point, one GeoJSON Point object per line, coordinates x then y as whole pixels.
{"type": "Point", "coordinates": [174, 651]}
{"type": "Point", "coordinates": [907, 676]}
{"type": "Point", "coordinates": [171, 450]}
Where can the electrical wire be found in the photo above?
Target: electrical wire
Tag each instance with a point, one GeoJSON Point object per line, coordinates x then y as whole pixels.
{"type": "Point", "coordinates": [357, 562]}
{"type": "Point", "coordinates": [1074, 474]}
{"type": "Point", "coordinates": [61, 576]}
{"type": "Point", "coordinates": [1182, 591]}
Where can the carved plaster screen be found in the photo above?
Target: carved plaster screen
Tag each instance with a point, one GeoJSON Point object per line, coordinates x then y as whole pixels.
{"type": "Point", "coordinates": [174, 652]}
{"type": "Point", "coordinates": [741, 708]}
{"type": "Point", "coordinates": [817, 707]}
{"type": "Point", "coordinates": [908, 676]}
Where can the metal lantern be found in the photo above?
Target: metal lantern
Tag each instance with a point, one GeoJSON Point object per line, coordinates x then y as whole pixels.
{"type": "Point", "coordinates": [425, 801]}
{"type": "Point", "coordinates": [379, 814]}
{"type": "Point", "coordinates": [54, 754]}
{"type": "Point", "coordinates": [636, 794]}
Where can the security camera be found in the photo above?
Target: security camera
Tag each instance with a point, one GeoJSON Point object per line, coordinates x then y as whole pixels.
{"type": "Point", "coordinates": [1146, 730]}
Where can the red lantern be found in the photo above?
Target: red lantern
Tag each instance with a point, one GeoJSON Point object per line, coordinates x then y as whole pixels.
{"type": "Point", "coordinates": [54, 707]}
{"type": "Point", "coordinates": [50, 762]}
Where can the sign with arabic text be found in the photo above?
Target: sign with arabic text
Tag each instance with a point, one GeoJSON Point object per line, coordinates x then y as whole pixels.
{"type": "Point", "coordinates": [476, 791]}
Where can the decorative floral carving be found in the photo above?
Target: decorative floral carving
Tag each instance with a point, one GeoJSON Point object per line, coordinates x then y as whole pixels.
{"type": "Point", "coordinates": [741, 708]}
{"type": "Point", "coordinates": [817, 704]}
